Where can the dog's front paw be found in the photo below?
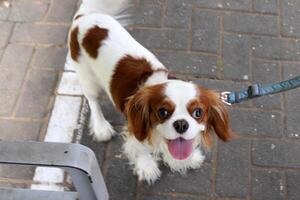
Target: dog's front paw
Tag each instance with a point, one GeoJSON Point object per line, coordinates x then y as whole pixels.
{"type": "Point", "coordinates": [147, 169]}
{"type": "Point", "coordinates": [102, 131]}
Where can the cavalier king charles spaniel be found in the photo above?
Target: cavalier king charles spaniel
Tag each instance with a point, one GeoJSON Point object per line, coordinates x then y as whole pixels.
{"type": "Point", "coordinates": [168, 119]}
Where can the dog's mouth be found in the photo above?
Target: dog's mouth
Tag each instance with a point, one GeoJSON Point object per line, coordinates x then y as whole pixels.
{"type": "Point", "coordinates": [180, 148]}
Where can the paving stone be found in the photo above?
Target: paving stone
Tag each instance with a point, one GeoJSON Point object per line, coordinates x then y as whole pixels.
{"type": "Point", "coordinates": [27, 11]}
{"type": "Point", "coordinates": [265, 6]}
{"type": "Point", "coordinates": [277, 49]}
{"type": "Point", "coordinates": [159, 2]}
{"type": "Point", "coordinates": [13, 68]}
{"type": "Point", "coordinates": [276, 153]}
{"type": "Point", "coordinates": [69, 84]}
{"type": "Point", "coordinates": [256, 123]}
{"type": "Point", "coordinates": [148, 15]}
{"type": "Point", "coordinates": [226, 4]}
{"type": "Point", "coordinates": [4, 12]}
{"type": "Point", "coordinates": [39, 84]}
{"type": "Point", "coordinates": [236, 57]}
{"type": "Point", "coordinates": [178, 13]}
{"type": "Point", "coordinates": [291, 17]}
{"type": "Point", "coordinates": [292, 185]}
{"type": "Point", "coordinates": [205, 31]}
{"type": "Point", "coordinates": [170, 197]}
{"type": "Point", "coordinates": [292, 103]}
{"type": "Point", "coordinates": [120, 181]}
{"type": "Point", "coordinates": [99, 148]}
{"type": "Point", "coordinates": [116, 146]}
{"type": "Point", "coordinates": [61, 11]}
{"type": "Point", "coordinates": [50, 57]}
{"type": "Point", "coordinates": [190, 63]}
{"type": "Point", "coordinates": [161, 39]}
{"type": "Point", "coordinates": [267, 73]}
{"type": "Point", "coordinates": [194, 182]}
{"type": "Point", "coordinates": [267, 184]}
{"type": "Point", "coordinates": [233, 170]}
{"type": "Point", "coordinates": [5, 28]}
{"type": "Point", "coordinates": [19, 130]}
{"type": "Point", "coordinates": [40, 33]}
{"type": "Point", "coordinates": [247, 23]}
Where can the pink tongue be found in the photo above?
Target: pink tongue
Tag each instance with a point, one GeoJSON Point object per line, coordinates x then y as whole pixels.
{"type": "Point", "coordinates": [180, 148]}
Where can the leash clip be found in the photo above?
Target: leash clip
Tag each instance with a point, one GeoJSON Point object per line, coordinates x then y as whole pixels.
{"type": "Point", "coordinates": [224, 97]}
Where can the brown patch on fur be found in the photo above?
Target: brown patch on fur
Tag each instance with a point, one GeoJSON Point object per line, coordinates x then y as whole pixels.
{"type": "Point", "coordinates": [215, 116]}
{"type": "Point", "coordinates": [74, 44]}
{"type": "Point", "coordinates": [128, 75]}
{"type": "Point", "coordinates": [142, 108]}
{"type": "Point", "coordinates": [93, 39]}
{"type": "Point", "coordinates": [78, 16]}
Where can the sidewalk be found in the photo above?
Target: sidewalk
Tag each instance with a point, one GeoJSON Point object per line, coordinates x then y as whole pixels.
{"type": "Point", "coordinates": [32, 57]}
{"type": "Point", "coordinates": [220, 44]}
{"type": "Point", "coordinates": [224, 45]}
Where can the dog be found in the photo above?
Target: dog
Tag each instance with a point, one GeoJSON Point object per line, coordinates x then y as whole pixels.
{"type": "Point", "coordinates": [168, 119]}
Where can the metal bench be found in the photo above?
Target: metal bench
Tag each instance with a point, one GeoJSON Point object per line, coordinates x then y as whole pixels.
{"type": "Point", "coordinates": [79, 161]}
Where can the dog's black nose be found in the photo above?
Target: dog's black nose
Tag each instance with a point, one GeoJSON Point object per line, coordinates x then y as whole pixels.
{"type": "Point", "coordinates": [181, 126]}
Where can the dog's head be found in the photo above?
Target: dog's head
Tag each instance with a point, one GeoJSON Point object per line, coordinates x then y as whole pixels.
{"type": "Point", "coordinates": [179, 112]}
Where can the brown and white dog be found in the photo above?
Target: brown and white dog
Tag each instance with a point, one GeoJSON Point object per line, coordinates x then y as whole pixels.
{"type": "Point", "coordinates": [167, 119]}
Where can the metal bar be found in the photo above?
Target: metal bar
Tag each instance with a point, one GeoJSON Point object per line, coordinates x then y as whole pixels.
{"type": "Point", "coordinates": [24, 194]}
{"type": "Point", "coordinates": [77, 159]}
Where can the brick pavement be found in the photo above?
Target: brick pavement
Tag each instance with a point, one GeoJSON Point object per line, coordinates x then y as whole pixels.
{"type": "Point", "coordinates": [223, 45]}
{"type": "Point", "coordinates": [32, 57]}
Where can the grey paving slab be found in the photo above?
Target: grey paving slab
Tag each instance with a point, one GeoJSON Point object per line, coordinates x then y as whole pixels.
{"type": "Point", "coordinates": [247, 23]}
{"type": "Point", "coordinates": [257, 123]}
{"type": "Point", "coordinates": [276, 153]}
{"type": "Point", "coordinates": [23, 11]}
{"type": "Point", "coordinates": [205, 31]}
{"type": "Point", "coordinates": [50, 57]}
{"type": "Point", "coordinates": [190, 63]}
{"type": "Point", "coordinates": [293, 187]}
{"type": "Point", "coordinates": [40, 33]}
{"type": "Point", "coordinates": [61, 11]}
{"type": "Point", "coordinates": [149, 15]}
{"type": "Point", "coordinates": [267, 184]}
{"type": "Point", "coordinates": [266, 6]}
{"type": "Point", "coordinates": [236, 57]}
{"type": "Point", "coordinates": [290, 17]}
{"type": "Point", "coordinates": [39, 84]}
{"type": "Point", "coordinates": [178, 13]}
{"type": "Point", "coordinates": [225, 4]}
{"type": "Point", "coordinates": [6, 28]}
{"type": "Point", "coordinates": [233, 170]}
{"type": "Point", "coordinates": [161, 38]}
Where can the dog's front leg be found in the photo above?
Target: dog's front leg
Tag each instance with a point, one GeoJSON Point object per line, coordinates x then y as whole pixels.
{"type": "Point", "coordinates": [140, 155]}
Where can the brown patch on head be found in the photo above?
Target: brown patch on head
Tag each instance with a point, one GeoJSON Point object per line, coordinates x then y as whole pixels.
{"type": "Point", "coordinates": [74, 44]}
{"type": "Point", "coordinates": [93, 40]}
{"type": "Point", "coordinates": [129, 74]}
{"type": "Point", "coordinates": [142, 110]}
{"type": "Point", "coordinates": [215, 116]}
{"type": "Point", "coordinates": [78, 16]}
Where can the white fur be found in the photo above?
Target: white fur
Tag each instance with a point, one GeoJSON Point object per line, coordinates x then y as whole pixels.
{"type": "Point", "coordinates": [95, 76]}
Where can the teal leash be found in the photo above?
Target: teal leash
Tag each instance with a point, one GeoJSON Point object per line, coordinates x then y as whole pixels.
{"type": "Point", "coordinates": [256, 90]}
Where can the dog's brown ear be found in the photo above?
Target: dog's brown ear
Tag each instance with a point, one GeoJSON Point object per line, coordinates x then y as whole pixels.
{"type": "Point", "coordinates": [217, 118]}
{"type": "Point", "coordinates": [138, 115]}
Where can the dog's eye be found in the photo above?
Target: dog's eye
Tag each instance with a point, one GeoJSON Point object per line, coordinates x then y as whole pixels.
{"type": "Point", "coordinates": [197, 113]}
{"type": "Point", "coordinates": [163, 113]}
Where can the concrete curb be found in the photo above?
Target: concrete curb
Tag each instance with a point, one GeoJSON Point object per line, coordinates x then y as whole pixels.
{"type": "Point", "coordinates": [66, 123]}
